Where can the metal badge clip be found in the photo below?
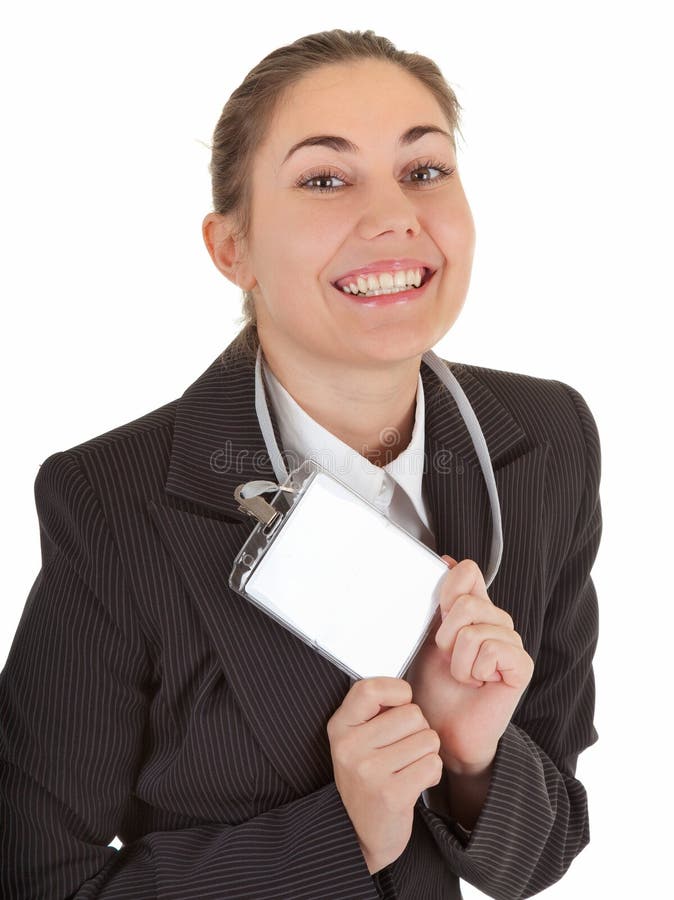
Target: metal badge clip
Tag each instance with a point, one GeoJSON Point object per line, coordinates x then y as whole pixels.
{"type": "Point", "coordinates": [248, 497]}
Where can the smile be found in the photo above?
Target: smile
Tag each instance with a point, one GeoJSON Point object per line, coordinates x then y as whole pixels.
{"type": "Point", "coordinates": [387, 296]}
{"type": "Point", "coordinates": [394, 282]}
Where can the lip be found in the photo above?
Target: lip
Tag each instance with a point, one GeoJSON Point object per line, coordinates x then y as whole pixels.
{"type": "Point", "coordinates": [406, 296]}
{"type": "Point", "coordinates": [383, 265]}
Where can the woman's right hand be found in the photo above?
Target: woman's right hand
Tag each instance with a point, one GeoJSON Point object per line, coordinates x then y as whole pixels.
{"type": "Point", "coordinates": [382, 761]}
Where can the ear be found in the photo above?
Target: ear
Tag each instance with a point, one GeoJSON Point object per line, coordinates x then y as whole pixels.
{"type": "Point", "coordinates": [227, 250]}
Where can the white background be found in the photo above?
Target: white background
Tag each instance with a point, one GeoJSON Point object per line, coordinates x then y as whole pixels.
{"type": "Point", "coordinates": [111, 306]}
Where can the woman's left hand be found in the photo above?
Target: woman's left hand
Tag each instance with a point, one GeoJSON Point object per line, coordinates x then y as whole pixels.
{"type": "Point", "coordinates": [470, 673]}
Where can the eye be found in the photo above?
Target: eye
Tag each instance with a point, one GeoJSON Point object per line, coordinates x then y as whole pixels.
{"type": "Point", "coordinates": [318, 181]}
{"type": "Point", "coordinates": [321, 176]}
{"type": "Point", "coordinates": [430, 166]}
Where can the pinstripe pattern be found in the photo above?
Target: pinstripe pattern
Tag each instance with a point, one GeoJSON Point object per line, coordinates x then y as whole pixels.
{"type": "Point", "coordinates": [142, 697]}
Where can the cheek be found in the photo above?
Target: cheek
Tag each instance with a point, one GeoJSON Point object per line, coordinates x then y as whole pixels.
{"type": "Point", "coordinates": [453, 230]}
{"type": "Point", "coordinates": [467, 229]}
{"type": "Point", "coordinates": [304, 241]}
{"type": "Point", "coordinates": [324, 228]}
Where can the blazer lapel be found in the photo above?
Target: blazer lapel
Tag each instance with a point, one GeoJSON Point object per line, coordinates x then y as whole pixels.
{"type": "Point", "coordinates": [287, 690]}
{"type": "Point", "coordinates": [459, 501]}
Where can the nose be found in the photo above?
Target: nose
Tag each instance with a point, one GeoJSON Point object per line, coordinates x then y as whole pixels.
{"type": "Point", "coordinates": [389, 209]}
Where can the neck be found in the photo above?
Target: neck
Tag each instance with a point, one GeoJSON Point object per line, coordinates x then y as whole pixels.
{"type": "Point", "coordinates": [370, 408]}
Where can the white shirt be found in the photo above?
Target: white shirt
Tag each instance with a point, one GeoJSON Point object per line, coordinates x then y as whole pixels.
{"type": "Point", "coordinates": [303, 438]}
{"type": "Point", "coordinates": [396, 488]}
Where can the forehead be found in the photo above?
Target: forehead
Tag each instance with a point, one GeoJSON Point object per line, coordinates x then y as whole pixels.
{"type": "Point", "coordinates": [355, 99]}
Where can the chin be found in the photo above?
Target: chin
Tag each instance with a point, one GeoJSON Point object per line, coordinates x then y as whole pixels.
{"type": "Point", "coordinates": [391, 346]}
{"type": "Point", "coordinates": [411, 335]}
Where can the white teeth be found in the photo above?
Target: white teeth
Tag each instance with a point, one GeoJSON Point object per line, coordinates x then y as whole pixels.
{"type": "Point", "coordinates": [393, 290]}
{"type": "Point", "coordinates": [384, 282]}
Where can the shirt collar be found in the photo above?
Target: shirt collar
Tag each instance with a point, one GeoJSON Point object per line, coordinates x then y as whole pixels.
{"type": "Point", "coordinates": [303, 438]}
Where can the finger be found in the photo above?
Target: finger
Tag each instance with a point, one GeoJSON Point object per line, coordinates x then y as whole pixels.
{"type": "Point", "coordinates": [399, 755]}
{"type": "Point", "coordinates": [467, 646]}
{"type": "Point", "coordinates": [406, 782]}
{"type": "Point", "coordinates": [468, 609]}
{"type": "Point", "coordinates": [369, 696]}
{"type": "Point", "coordinates": [395, 724]}
{"type": "Point", "coordinates": [511, 663]}
{"type": "Point", "coordinates": [463, 578]}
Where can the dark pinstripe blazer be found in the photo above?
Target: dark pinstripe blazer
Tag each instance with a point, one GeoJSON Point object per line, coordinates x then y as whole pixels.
{"type": "Point", "coordinates": [142, 697]}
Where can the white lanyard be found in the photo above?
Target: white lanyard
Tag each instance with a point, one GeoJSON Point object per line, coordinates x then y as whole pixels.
{"type": "Point", "coordinates": [437, 365]}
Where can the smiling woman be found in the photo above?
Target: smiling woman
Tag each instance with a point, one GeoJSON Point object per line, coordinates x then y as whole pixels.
{"type": "Point", "coordinates": [144, 697]}
{"type": "Point", "coordinates": [379, 195]}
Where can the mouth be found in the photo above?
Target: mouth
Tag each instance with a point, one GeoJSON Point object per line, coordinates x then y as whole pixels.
{"type": "Point", "coordinates": [385, 286]}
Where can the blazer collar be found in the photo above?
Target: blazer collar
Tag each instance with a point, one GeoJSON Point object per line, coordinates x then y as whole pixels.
{"type": "Point", "coordinates": [218, 444]}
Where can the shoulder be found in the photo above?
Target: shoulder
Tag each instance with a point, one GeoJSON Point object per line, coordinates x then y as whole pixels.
{"type": "Point", "coordinates": [152, 427]}
{"type": "Point", "coordinates": [140, 449]}
{"type": "Point", "coordinates": [555, 416]}
{"type": "Point", "coordinates": [546, 409]}
{"type": "Point", "coordinates": [123, 459]}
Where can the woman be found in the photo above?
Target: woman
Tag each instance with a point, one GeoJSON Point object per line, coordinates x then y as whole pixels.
{"type": "Point", "coordinates": [145, 698]}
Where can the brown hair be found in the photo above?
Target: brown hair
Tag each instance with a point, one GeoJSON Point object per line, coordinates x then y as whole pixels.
{"type": "Point", "coordinates": [246, 116]}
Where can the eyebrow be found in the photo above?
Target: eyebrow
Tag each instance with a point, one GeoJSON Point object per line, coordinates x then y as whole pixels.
{"type": "Point", "coordinates": [343, 145]}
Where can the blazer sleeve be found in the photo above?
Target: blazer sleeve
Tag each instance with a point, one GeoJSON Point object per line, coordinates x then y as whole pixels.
{"type": "Point", "coordinates": [73, 703]}
{"type": "Point", "coordinates": [535, 818]}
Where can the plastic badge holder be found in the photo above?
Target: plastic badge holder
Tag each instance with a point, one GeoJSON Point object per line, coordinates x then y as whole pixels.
{"type": "Point", "coordinates": [338, 573]}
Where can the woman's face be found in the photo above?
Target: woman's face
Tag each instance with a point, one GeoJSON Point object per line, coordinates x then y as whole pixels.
{"type": "Point", "coordinates": [390, 210]}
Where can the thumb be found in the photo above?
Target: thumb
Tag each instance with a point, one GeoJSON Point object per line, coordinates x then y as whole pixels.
{"type": "Point", "coordinates": [451, 562]}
